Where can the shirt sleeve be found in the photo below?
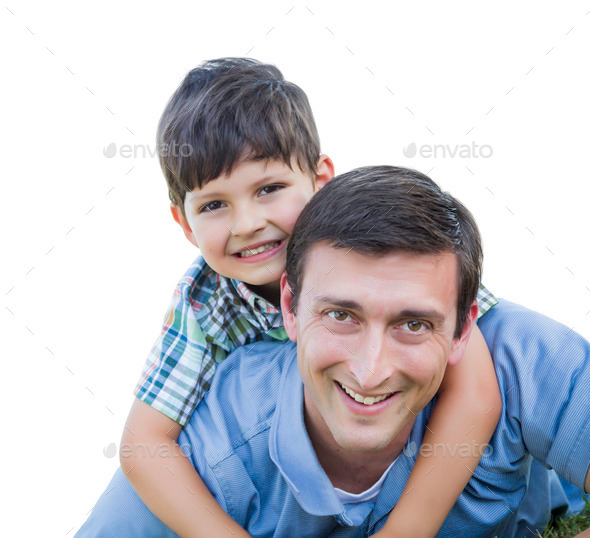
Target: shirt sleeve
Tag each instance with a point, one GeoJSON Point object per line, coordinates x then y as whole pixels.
{"type": "Point", "coordinates": [181, 364]}
{"type": "Point", "coordinates": [543, 370]}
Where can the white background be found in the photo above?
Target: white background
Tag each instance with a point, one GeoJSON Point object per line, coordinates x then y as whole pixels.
{"type": "Point", "coordinates": [90, 254]}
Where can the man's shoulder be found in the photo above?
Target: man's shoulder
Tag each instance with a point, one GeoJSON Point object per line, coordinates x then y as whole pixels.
{"type": "Point", "coordinates": [506, 314]}
{"type": "Point", "coordinates": [254, 371]}
{"type": "Point", "coordinates": [542, 368]}
{"type": "Point", "coordinates": [526, 344]}
{"type": "Point", "coordinates": [242, 399]}
{"type": "Point", "coordinates": [228, 436]}
{"type": "Point", "coordinates": [543, 371]}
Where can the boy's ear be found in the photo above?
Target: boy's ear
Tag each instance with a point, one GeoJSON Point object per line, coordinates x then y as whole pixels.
{"type": "Point", "coordinates": [179, 217]}
{"type": "Point", "coordinates": [325, 171]}
{"type": "Point", "coordinates": [287, 309]}
{"type": "Point", "coordinates": [458, 346]}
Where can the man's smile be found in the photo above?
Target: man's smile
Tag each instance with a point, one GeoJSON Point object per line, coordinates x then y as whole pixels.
{"type": "Point", "coordinates": [366, 400]}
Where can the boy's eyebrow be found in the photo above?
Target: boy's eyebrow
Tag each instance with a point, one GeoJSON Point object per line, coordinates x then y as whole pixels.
{"type": "Point", "coordinates": [197, 194]}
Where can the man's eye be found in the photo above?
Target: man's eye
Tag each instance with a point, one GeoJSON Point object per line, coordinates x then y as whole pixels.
{"type": "Point", "coordinates": [269, 188]}
{"type": "Point", "coordinates": [211, 206]}
{"type": "Point", "coordinates": [338, 315]}
{"type": "Point", "coordinates": [415, 326]}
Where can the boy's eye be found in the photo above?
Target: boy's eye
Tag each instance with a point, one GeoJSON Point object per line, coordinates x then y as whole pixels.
{"type": "Point", "coordinates": [211, 206]}
{"type": "Point", "coordinates": [270, 188]}
{"type": "Point", "coordinates": [339, 315]}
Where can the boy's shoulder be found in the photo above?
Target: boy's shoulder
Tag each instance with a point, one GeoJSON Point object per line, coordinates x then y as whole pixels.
{"type": "Point", "coordinates": [198, 283]}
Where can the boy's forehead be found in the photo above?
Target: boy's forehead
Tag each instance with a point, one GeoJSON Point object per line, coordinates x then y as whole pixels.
{"type": "Point", "coordinates": [249, 168]}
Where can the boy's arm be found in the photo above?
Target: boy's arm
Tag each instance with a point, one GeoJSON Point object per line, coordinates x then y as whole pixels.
{"type": "Point", "coordinates": [466, 414]}
{"type": "Point", "coordinates": [165, 479]}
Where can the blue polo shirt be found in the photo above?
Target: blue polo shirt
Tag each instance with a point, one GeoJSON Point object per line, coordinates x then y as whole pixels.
{"type": "Point", "coordinates": [248, 441]}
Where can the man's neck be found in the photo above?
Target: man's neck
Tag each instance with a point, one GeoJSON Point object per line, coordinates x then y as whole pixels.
{"type": "Point", "coordinates": [350, 471]}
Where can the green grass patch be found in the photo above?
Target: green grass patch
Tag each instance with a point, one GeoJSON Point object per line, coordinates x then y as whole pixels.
{"type": "Point", "coordinates": [568, 526]}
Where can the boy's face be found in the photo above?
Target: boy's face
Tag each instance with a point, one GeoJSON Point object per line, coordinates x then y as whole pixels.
{"type": "Point", "coordinates": [242, 222]}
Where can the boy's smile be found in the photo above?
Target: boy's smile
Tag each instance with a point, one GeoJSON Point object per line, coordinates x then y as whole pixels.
{"type": "Point", "coordinates": [260, 251]}
{"type": "Point", "coordinates": [242, 221]}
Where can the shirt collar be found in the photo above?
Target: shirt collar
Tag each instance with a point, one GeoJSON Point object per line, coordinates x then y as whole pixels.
{"type": "Point", "coordinates": [260, 304]}
{"type": "Point", "coordinates": [399, 473]}
{"type": "Point", "coordinates": [292, 452]}
{"type": "Point", "coordinates": [234, 314]}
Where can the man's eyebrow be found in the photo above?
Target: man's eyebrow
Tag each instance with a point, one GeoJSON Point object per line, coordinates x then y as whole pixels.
{"type": "Point", "coordinates": [430, 315]}
{"type": "Point", "coordinates": [340, 303]}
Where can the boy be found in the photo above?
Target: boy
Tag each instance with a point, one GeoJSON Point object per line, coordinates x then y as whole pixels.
{"type": "Point", "coordinates": [254, 163]}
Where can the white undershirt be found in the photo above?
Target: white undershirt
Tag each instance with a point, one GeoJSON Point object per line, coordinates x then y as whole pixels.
{"type": "Point", "coordinates": [368, 495]}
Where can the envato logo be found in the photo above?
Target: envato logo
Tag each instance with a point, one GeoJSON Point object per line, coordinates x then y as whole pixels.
{"type": "Point", "coordinates": [144, 451]}
{"type": "Point", "coordinates": [128, 151]}
{"type": "Point", "coordinates": [463, 151]}
{"type": "Point", "coordinates": [462, 450]}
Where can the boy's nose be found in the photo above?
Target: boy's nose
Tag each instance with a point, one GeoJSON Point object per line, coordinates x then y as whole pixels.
{"type": "Point", "coordinates": [247, 222]}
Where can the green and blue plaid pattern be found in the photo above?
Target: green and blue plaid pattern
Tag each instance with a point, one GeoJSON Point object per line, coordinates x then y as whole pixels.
{"type": "Point", "coordinates": [210, 316]}
{"type": "Point", "coordinates": [485, 300]}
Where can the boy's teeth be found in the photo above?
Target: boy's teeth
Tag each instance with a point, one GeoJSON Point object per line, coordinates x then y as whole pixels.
{"type": "Point", "coordinates": [251, 251]}
{"type": "Point", "coordinates": [369, 400]}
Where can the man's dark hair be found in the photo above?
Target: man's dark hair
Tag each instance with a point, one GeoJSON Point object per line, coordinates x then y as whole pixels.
{"type": "Point", "coordinates": [228, 110]}
{"type": "Point", "coordinates": [379, 210]}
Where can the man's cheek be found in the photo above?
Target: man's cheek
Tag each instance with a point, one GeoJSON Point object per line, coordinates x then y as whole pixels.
{"type": "Point", "coordinates": [429, 386]}
{"type": "Point", "coordinates": [326, 355]}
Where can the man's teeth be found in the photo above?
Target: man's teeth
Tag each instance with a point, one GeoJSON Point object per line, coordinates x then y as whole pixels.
{"type": "Point", "coordinates": [251, 251]}
{"type": "Point", "coordinates": [369, 400]}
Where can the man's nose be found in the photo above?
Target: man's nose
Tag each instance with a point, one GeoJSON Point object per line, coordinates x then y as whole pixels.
{"type": "Point", "coordinates": [373, 363]}
{"type": "Point", "coordinates": [247, 221]}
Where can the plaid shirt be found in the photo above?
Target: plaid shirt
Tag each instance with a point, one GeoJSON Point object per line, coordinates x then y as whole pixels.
{"type": "Point", "coordinates": [210, 316]}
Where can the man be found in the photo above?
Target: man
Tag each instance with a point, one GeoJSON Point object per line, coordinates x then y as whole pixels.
{"type": "Point", "coordinates": [316, 439]}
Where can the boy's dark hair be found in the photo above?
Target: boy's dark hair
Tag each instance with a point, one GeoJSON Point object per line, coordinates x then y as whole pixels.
{"type": "Point", "coordinates": [231, 109]}
{"type": "Point", "coordinates": [380, 210]}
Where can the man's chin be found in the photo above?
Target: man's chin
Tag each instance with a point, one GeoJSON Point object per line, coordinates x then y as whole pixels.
{"type": "Point", "coordinates": [373, 439]}
{"type": "Point", "coordinates": [363, 442]}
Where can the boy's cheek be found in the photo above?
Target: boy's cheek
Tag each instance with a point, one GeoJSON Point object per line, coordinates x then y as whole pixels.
{"type": "Point", "coordinates": [291, 214]}
{"type": "Point", "coordinates": [183, 222]}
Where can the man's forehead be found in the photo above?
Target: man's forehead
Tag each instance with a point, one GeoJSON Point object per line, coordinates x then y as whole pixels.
{"type": "Point", "coordinates": [347, 277]}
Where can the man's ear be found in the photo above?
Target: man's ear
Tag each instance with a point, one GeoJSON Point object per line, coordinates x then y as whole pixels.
{"type": "Point", "coordinates": [325, 171]}
{"type": "Point", "coordinates": [458, 347]}
{"type": "Point", "coordinates": [179, 217]}
{"type": "Point", "coordinates": [287, 308]}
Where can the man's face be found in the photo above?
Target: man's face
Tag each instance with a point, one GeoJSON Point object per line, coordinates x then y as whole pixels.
{"type": "Point", "coordinates": [373, 339]}
{"type": "Point", "coordinates": [242, 221]}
